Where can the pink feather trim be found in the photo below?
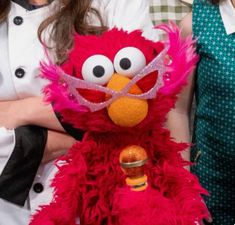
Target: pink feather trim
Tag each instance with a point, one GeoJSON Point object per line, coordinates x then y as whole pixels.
{"type": "Point", "coordinates": [182, 55]}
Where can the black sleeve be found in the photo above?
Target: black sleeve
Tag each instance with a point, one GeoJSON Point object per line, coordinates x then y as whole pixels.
{"type": "Point", "coordinates": [74, 132]}
{"type": "Point", "coordinates": [20, 170]}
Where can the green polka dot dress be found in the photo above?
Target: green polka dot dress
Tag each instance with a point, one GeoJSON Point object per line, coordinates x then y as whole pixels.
{"type": "Point", "coordinates": [214, 130]}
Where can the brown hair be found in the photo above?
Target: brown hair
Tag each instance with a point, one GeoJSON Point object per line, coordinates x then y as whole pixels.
{"type": "Point", "coordinates": [70, 17]}
{"type": "Point", "coordinates": [4, 9]}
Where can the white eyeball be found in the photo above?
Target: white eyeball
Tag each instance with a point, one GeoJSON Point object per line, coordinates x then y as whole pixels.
{"type": "Point", "coordinates": [128, 61]}
{"type": "Point", "coordinates": [97, 69]}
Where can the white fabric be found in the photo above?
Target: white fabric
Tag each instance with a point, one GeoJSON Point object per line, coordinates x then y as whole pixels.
{"type": "Point", "coordinates": [227, 12]}
{"type": "Point", "coordinates": [19, 47]}
{"type": "Point", "coordinates": [22, 49]}
{"type": "Point", "coordinates": [45, 174]}
{"type": "Point", "coordinates": [130, 15]}
{"type": "Point", "coordinates": [7, 143]}
{"type": "Point", "coordinates": [12, 215]}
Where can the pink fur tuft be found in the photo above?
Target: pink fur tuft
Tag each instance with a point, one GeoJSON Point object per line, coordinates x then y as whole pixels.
{"type": "Point", "coordinates": [183, 57]}
{"type": "Point", "coordinates": [56, 92]}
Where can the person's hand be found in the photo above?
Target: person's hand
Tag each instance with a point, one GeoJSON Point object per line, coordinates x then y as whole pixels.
{"type": "Point", "coordinates": [28, 111]}
{"type": "Point", "coordinates": [9, 114]}
{"type": "Point", "coordinates": [57, 145]}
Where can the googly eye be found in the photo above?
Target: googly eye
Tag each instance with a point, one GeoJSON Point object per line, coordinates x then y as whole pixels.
{"type": "Point", "coordinates": [97, 69]}
{"type": "Point", "coordinates": [128, 61]}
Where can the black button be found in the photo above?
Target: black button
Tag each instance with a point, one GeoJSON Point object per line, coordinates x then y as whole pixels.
{"type": "Point", "coordinates": [38, 188]}
{"type": "Point", "coordinates": [18, 20]}
{"type": "Point", "coordinates": [19, 72]}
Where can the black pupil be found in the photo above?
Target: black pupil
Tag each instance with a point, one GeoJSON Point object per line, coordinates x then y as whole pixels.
{"type": "Point", "coordinates": [125, 63]}
{"type": "Point", "coordinates": [98, 71]}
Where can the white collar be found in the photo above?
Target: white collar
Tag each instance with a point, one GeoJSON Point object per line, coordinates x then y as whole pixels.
{"type": "Point", "coordinates": [227, 12]}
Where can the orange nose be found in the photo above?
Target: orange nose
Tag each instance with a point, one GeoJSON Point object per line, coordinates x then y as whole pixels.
{"type": "Point", "coordinates": [126, 111]}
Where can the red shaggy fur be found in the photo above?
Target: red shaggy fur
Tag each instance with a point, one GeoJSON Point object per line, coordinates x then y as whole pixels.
{"type": "Point", "coordinates": [91, 185]}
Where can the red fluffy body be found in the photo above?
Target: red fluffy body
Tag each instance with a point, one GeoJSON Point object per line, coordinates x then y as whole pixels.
{"type": "Point", "coordinates": [90, 184]}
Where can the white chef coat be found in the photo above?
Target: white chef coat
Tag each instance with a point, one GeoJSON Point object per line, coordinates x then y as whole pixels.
{"type": "Point", "coordinates": [17, 214]}
{"type": "Point", "coordinates": [20, 54]}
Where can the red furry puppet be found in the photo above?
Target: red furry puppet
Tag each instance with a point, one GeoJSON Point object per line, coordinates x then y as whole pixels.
{"type": "Point", "coordinates": [118, 88]}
